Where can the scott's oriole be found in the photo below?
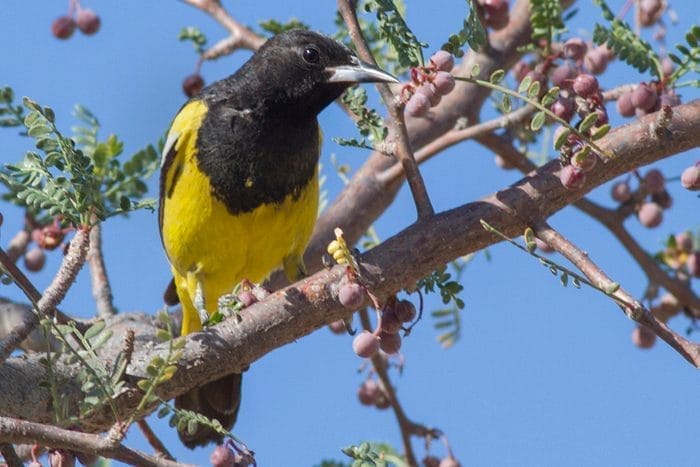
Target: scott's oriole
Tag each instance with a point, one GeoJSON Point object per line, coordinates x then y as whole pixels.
{"type": "Point", "coordinates": [239, 184]}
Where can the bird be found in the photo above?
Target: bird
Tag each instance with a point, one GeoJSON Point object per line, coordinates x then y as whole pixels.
{"type": "Point", "coordinates": [239, 188]}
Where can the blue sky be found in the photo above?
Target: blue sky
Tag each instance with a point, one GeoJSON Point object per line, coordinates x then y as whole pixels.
{"type": "Point", "coordinates": [543, 375]}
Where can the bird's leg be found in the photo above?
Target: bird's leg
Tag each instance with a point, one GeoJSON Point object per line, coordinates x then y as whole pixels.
{"type": "Point", "coordinates": [198, 299]}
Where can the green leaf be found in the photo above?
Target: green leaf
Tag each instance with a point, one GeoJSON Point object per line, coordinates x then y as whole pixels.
{"type": "Point", "coordinates": [561, 138]}
{"type": "Point", "coordinates": [525, 84]}
{"type": "Point", "coordinates": [94, 330]}
{"type": "Point", "coordinates": [588, 122]}
{"type": "Point", "coordinates": [537, 121]}
{"type": "Point", "coordinates": [497, 76]}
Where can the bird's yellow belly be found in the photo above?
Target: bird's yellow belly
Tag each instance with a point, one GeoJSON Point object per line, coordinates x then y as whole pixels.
{"type": "Point", "coordinates": [204, 241]}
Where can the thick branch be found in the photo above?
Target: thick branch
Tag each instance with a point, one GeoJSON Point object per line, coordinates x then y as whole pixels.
{"type": "Point", "coordinates": [399, 262]}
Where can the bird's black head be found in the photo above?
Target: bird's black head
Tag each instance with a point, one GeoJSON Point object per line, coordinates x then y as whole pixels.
{"type": "Point", "coordinates": [301, 72]}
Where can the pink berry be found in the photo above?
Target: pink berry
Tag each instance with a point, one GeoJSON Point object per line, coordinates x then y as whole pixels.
{"type": "Point", "coordinates": [663, 199]}
{"type": "Point", "coordinates": [63, 27]}
{"type": "Point", "coordinates": [602, 116]}
{"type": "Point", "coordinates": [684, 242]}
{"type": "Point", "coordinates": [575, 48]}
{"type": "Point", "coordinates": [496, 13]}
{"type": "Point", "coordinates": [368, 392]}
{"type": "Point", "coordinates": [337, 327]}
{"type": "Point", "coordinates": [390, 342]}
{"type": "Point", "coordinates": [390, 322]}
{"type": "Point", "coordinates": [405, 311]}
{"type": "Point", "coordinates": [596, 60]}
{"type": "Point", "coordinates": [449, 461]}
{"type": "Point", "coordinates": [644, 97]}
{"type": "Point", "coordinates": [667, 66]}
{"type": "Point", "coordinates": [654, 181]}
{"type": "Point", "coordinates": [693, 264]}
{"type": "Point", "coordinates": [365, 344]}
{"type": "Point", "coordinates": [443, 60]}
{"type": "Point", "coordinates": [643, 337]}
{"type": "Point", "coordinates": [564, 108]}
{"type": "Point", "coordinates": [624, 105]}
{"type": "Point", "coordinates": [571, 177]}
{"type": "Point", "coordinates": [34, 259]}
{"type": "Point", "coordinates": [192, 85]}
{"type": "Point", "coordinates": [621, 192]}
{"type": "Point", "coordinates": [247, 298]}
{"type": "Point", "coordinates": [418, 105]}
{"type": "Point", "coordinates": [563, 76]}
{"type": "Point", "coordinates": [586, 85]}
{"type": "Point", "coordinates": [690, 178]}
{"type": "Point", "coordinates": [351, 295]}
{"type": "Point", "coordinates": [87, 21]}
{"type": "Point", "coordinates": [430, 91]}
{"type": "Point", "coordinates": [650, 215]}
{"type": "Point", "coordinates": [222, 456]}
{"type": "Point", "coordinates": [444, 82]}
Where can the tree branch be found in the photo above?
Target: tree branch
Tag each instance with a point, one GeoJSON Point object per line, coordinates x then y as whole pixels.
{"type": "Point", "coordinates": [296, 311]}
{"type": "Point", "coordinates": [20, 431]}
{"type": "Point", "coordinates": [240, 36]}
{"type": "Point", "coordinates": [101, 290]}
{"type": "Point", "coordinates": [403, 150]}
{"type": "Point", "coordinates": [47, 302]}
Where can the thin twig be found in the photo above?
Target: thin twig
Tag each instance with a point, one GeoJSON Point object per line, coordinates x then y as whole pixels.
{"type": "Point", "coordinates": [18, 245]}
{"type": "Point", "coordinates": [20, 431]}
{"type": "Point", "coordinates": [101, 289]}
{"type": "Point", "coordinates": [611, 219]}
{"type": "Point", "coordinates": [45, 305]}
{"type": "Point", "coordinates": [154, 441]}
{"type": "Point", "coordinates": [403, 149]}
{"type": "Point", "coordinates": [632, 307]}
{"type": "Point", "coordinates": [240, 36]}
{"type": "Point", "coordinates": [406, 426]}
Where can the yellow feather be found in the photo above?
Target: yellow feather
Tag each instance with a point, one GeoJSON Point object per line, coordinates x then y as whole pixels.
{"type": "Point", "coordinates": [208, 245]}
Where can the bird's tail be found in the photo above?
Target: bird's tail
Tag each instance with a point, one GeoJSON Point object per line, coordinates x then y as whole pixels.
{"type": "Point", "coordinates": [217, 400]}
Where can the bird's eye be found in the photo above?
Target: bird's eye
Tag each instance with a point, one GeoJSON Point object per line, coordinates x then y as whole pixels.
{"type": "Point", "coordinates": [311, 55]}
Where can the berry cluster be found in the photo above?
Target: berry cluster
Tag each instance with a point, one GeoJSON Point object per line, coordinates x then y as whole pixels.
{"type": "Point", "coordinates": [386, 336]}
{"type": "Point", "coordinates": [428, 84]}
{"type": "Point", "coordinates": [45, 237]}
{"type": "Point", "coordinates": [649, 200]}
{"type": "Point", "coordinates": [371, 393]}
{"type": "Point", "coordinates": [572, 67]}
{"type": "Point", "coordinates": [646, 98]}
{"type": "Point", "coordinates": [83, 18]}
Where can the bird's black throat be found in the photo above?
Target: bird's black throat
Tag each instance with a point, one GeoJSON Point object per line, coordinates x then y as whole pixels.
{"type": "Point", "coordinates": [259, 157]}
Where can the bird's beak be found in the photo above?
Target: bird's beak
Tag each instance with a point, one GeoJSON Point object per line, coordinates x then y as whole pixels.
{"type": "Point", "coordinates": [358, 72]}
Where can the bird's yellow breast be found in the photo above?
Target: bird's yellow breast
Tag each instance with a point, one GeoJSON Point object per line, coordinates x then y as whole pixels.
{"type": "Point", "coordinates": [203, 240]}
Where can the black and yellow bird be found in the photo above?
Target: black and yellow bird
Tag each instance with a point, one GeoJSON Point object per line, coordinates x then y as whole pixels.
{"type": "Point", "coordinates": [239, 184]}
